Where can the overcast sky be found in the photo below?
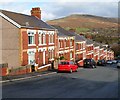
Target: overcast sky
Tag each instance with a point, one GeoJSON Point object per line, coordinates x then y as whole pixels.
{"type": "Point", "coordinates": [53, 9]}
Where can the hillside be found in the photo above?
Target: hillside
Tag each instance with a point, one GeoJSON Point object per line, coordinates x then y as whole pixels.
{"type": "Point", "coordinates": [100, 29]}
{"type": "Point", "coordinates": [88, 23]}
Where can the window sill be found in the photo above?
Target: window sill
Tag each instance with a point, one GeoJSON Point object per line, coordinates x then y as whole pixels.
{"type": "Point", "coordinates": [42, 44]}
{"type": "Point", "coordinates": [31, 44]}
{"type": "Point", "coordinates": [71, 59]}
{"type": "Point", "coordinates": [61, 48]}
{"type": "Point", "coordinates": [51, 59]}
{"type": "Point", "coordinates": [51, 43]}
{"type": "Point", "coordinates": [66, 47]}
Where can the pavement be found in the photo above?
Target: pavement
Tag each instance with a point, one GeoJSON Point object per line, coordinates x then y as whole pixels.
{"type": "Point", "coordinates": [11, 78]}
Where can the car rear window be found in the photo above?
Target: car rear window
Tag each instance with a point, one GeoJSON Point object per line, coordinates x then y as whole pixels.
{"type": "Point", "coordinates": [87, 60]}
{"type": "Point", "coordinates": [64, 63]}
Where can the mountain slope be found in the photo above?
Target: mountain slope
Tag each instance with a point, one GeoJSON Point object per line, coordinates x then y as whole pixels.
{"type": "Point", "coordinates": [85, 23]}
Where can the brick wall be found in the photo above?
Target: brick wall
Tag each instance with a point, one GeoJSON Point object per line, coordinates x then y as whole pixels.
{"type": "Point", "coordinates": [3, 69]}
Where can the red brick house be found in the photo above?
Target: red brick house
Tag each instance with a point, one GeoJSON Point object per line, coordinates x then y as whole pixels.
{"type": "Point", "coordinates": [110, 54]}
{"type": "Point", "coordinates": [80, 49]}
{"type": "Point", "coordinates": [89, 49]}
{"type": "Point", "coordinates": [96, 51]}
{"type": "Point", "coordinates": [66, 44]}
{"type": "Point", "coordinates": [26, 39]}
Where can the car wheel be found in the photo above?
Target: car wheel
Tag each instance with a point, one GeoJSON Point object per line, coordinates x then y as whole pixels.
{"type": "Point", "coordinates": [76, 70]}
{"type": "Point", "coordinates": [93, 66]}
{"type": "Point", "coordinates": [70, 70]}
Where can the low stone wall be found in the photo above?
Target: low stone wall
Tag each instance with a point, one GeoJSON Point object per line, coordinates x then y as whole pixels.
{"type": "Point", "coordinates": [44, 67]}
{"type": "Point", "coordinates": [80, 63]}
{"type": "Point", "coordinates": [20, 70]}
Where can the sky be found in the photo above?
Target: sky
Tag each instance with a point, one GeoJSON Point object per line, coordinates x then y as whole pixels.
{"type": "Point", "coordinates": [53, 9]}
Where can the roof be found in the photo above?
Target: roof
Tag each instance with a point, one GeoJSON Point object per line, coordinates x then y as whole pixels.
{"type": "Point", "coordinates": [62, 32]}
{"type": "Point", "coordinates": [26, 20]}
{"type": "Point", "coordinates": [79, 38]}
{"type": "Point", "coordinates": [89, 42]}
{"type": "Point", "coordinates": [96, 44]}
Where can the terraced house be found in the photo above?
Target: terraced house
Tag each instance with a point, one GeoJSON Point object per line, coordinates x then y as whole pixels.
{"type": "Point", "coordinates": [31, 44]}
{"type": "Point", "coordinates": [89, 49]}
{"type": "Point", "coordinates": [26, 39]}
{"type": "Point", "coordinates": [96, 51]}
{"type": "Point", "coordinates": [80, 48]}
{"type": "Point", "coordinates": [66, 44]}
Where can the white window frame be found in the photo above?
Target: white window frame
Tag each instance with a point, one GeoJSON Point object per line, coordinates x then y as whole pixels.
{"type": "Point", "coordinates": [71, 55]}
{"type": "Point", "coordinates": [71, 42]}
{"type": "Point", "coordinates": [40, 39]}
{"type": "Point", "coordinates": [51, 36]}
{"type": "Point", "coordinates": [33, 41]}
{"type": "Point", "coordinates": [44, 38]}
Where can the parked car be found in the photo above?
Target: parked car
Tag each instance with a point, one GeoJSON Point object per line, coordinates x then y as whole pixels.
{"type": "Point", "coordinates": [89, 63]}
{"type": "Point", "coordinates": [109, 62]}
{"type": "Point", "coordinates": [69, 66]}
{"type": "Point", "coordinates": [101, 62]}
{"type": "Point", "coordinates": [114, 61]}
{"type": "Point", "coordinates": [118, 64]}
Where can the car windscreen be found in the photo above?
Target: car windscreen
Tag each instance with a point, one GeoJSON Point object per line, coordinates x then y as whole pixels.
{"type": "Point", "coordinates": [64, 63]}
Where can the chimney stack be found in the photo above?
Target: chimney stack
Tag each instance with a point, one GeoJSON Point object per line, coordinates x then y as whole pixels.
{"type": "Point", "coordinates": [36, 12]}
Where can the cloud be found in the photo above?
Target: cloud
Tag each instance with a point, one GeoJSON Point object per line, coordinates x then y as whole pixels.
{"type": "Point", "coordinates": [47, 16]}
{"type": "Point", "coordinates": [106, 9]}
{"type": "Point", "coordinates": [61, 8]}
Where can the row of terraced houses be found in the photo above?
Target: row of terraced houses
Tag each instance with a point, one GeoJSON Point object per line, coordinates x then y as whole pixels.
{"type": "Point", "coordinates": [29, 41]}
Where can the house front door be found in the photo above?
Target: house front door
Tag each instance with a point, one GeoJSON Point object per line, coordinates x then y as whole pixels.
{"type": "Point", "coordinates": [43, 57]}
{"type": "Point", "coordinates": [31, 58]}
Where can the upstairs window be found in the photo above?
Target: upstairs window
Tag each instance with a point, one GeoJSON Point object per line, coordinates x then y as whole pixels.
{"type": "Point", "coordinates": [51, 37]}
{"type": "Point", "coordinates": [71, 44]}
{"type": "Point", "coordinates": [44, 38]}
{"type": "Point", "coordinates": [31, 38]}
{"type": "Point", "coordinates": [77, 46]}
{"type": "Point", "coordinates": [40, 39]}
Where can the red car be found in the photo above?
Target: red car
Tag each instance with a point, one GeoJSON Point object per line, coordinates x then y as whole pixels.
{"type": "Point", "coordinates": [69, 66]}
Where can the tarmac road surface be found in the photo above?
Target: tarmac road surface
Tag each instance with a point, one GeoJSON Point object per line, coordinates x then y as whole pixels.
{"type": "Point", "coordinates": [101, 82]}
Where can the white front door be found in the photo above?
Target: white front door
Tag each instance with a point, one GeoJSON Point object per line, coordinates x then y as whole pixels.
{"type": "Point", "coordinates": [43, 57]}
{"type": "Point", "coordinates": [31, 58]}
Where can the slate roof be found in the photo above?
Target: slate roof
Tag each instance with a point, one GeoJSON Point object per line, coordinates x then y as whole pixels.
{"type": "Point", "coordinates": [62, 32]}
{"type": "Point", "coordinates": [78, 38]}
{"type": "Point", "coordinates": [96, 44]}
{"type": "Point", "coordinates": [22, 19]}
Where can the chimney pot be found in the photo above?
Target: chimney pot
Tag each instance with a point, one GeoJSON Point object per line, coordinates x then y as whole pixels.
{"type": "Point", "coordinates": [36, 12]}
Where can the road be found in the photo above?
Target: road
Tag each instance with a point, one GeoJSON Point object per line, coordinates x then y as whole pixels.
{"type": "Point", "coordinates": [101, 82]}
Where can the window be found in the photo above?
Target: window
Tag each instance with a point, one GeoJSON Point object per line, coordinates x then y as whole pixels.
{"type": "Point", "coordinates": [65, 43]}
{"type": "Point", "coordinates": [44, 38]}
{"type": "Point", "coordinates": [77, 46]}
{"type": "Point", "coordinates": [71, 55]}
{"type": "Point", "coordinates": [40, 39]}
{"type": "Point", "coordinates": [31, 39]}
{"type": "Point", "coordinates": [59, 44]}
{"type": "Point", "coordinates": [51, 54]}
{"type": "Point", "coordinates": [51, 37]}
{"type": "Point", "coordinates": [71, 43]}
